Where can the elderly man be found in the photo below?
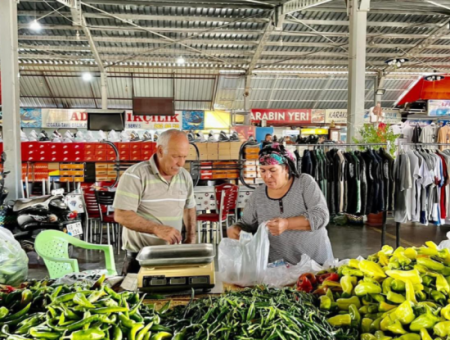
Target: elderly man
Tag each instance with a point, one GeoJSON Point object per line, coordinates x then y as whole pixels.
{"type": "Point", "coordinates": [154, 197]}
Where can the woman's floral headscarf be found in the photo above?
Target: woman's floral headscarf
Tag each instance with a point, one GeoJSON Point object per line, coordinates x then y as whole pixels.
{"type": "Point", "coordinates": [276, 154]}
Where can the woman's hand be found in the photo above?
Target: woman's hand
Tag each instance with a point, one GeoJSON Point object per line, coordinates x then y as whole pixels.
{"type": "Point", "coordinates": [234, 232]}
{"type": "Point", "coordinates": [277, 226]}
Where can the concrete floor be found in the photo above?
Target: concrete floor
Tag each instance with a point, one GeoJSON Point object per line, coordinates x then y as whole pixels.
{"type": "Point", "coordinates": [347, 242]}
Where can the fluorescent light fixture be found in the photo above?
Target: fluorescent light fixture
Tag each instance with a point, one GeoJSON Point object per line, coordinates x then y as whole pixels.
{"type": "Point", "coordinates": [35, 25]}
{"type": "Point", "coordinates": [87, 76]}
{"type": "Point", "coordinates": [180, 60]}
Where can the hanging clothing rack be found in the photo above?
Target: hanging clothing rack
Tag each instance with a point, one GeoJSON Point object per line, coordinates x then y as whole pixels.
{"type": "Point", "coordinates": [398, 224]}
{"type": "Point", "coordinates": [387, 145]}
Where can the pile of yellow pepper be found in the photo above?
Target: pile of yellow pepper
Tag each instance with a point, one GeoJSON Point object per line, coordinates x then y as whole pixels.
{"type": "Point", "coordinates": [401, 294]}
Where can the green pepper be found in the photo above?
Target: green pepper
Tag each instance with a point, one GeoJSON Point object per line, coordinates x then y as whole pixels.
{"type": "Point", "coordinates": [325, 302]}
{"type": "Point", "coordinates": [36, 333]}
{"type": "Point", "coordinates": [427, 321]}
{"type": "Point", "coordinates": [379, 335]}
{"type": "Point", "coordinates": [81, 300]}
{"type": "Point", "coordinates": [71, 296]}
{"type": "Point", "coordinates": [442, 329]}
{"type": "Point", "coordinates": [369, 309]}
{"type": "Point", "coordinates": [368, 336]}
{"type": "Point", "coordinates": [398, 285]}
{"type": "Point", "coordinates": [424, 334]}
{"type": "Point", "coordinates": [395, 297]}
{"type": "Point", "coordinates": [346, 270]}
{"type": "Point", "coordinates": [108, 310]}
{"type": "Point", "coordinates": [396, 327]}
{"type": "Point", "coordinates": [74, 326]}
{"type": "Point", "coordinates": [91, 334]}
{"type": "Point", "coordinates": [27, 296]}
{"type": "Point", "coordinates": [99, 282]}
{"type": "Point", "coordinates": [410, 336]}
{"type": "Point", "coordinates": [405, 313]}
{"type": "Point", "coordinates": [365, 325]}
{"type": "Point", "coordinates": [347, 285]}
{"type": "Point", "coordinates": [364, 288]}
{"type": "Point", "coordinates": [384, 307]}
{"type": "Point", "coordinates": [429, 263]}
{"type": "Point", "coordinates": [356, 317]}
{"type": "Point", "coordinates": [340, 320]}
{"type": "Point", "coordinates": [427, 280]}
{"type": "Point", "coordinates": [445, 312]}
{"type": "Point", "coordinates": [3, 312]}
{"type": "Point", "coordinates": [386, 285]}
{"type": "Point", "coordinates": [94, 297]}
{"type": "Point", "coordinates": [117, 333]}
{"type": "Point", "coordinates": [161, 336]}
{"type": "Point", "coordinates": [344, 304]}
{"type": "Point", "coordinates": [421, 296]}
{"type": "Point", "coordinates": [134, 329]}
{"type": "Point", "coordinates": [144, 331]}
{"type": "Point", "coordinates": [375, 326]}
{"type": "Point", "coordinates": [378, 298]}
{"type": "Point", "coordinates": [438, 297]}
{"type": "Point", "coordinates": [180, 335]}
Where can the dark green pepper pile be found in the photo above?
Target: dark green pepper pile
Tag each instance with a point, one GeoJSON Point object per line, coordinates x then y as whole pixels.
{"type": "Point", "coordinates": [79, 312]}
{"type": "Point", "coordinates": [82, 312]}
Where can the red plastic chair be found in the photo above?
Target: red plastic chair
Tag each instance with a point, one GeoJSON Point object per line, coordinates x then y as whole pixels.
{"type": "Point", "coordinates": [92, 214]}
{"type": "Point", "coordinates": [226, 201]}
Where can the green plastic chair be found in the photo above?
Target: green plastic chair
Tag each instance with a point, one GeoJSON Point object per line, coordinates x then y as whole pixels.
{"type": "Point", "coordinates": [53, 247]}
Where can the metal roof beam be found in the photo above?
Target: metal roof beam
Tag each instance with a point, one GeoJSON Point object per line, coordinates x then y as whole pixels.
{"type": "Point", "coordinates": [149, 17]}
{"type": "Point", "coordinates": [94, 50]}
{"type": "Point", "coordinates": [369, 23]}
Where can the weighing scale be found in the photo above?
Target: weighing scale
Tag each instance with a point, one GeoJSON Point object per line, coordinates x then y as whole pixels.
{"type": "Point", "coordinates": [176, 268]}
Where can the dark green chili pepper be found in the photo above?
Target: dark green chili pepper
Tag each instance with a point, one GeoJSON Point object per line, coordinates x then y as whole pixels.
{"type": "Point", "coordinates": [160, 328]}
{"type": "Point", "coordinates": [88, 334]}
{"type": "Point", "coordinates": [117, 333]}
{"type": "Point", "coordinates": [56, 292]}
{"type": "Point", "coordinates": [112, 293]}
{"type": "Point", "coordinates": [99, 282]}
{"type": "Point", "coordinates": [81, 300]}
{"type": "Point", "coordinates": [144, 331]}
{"type": "Point", "coordinates": [108, 310]}
{"type": "Point", "coordinates": [71, 296]}
{"type": "Point", "coordinates": [136, 308]}
{"type": "Point", "coordinates": [35, 333]}
{"type": "Point", "coordinates": [18, 314]}
{"type": "Point", "coordinates": [73, 326]}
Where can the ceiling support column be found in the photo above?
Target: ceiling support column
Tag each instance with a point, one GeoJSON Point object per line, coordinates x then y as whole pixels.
{"type": "Point", "coordinates": [104, 83]}
{"type": "Point", "coordinates": [10, 96]}
{"type": "Point", "coordinates": [357, 67]}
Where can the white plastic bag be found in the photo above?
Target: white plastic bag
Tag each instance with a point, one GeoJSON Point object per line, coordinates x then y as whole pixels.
{"type": "Point", "coordinates": [13, 260]}
{"type": "Point", "coordinates": [244, 262]}
{"type": "Point", "coordinates": [445, 243]}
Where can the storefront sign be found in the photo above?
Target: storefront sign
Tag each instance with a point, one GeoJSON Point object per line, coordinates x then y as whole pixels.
{"type": "Point", "coordinates": [71, 119]}
{"type": "Point", "coordinates": [438, 107]}
{"type": "Point", "coordinates": [282, 116]}
{"type": "Point", "coordinates": [338, 116]}
{"type": "Point", "coordinates": [318, 116]}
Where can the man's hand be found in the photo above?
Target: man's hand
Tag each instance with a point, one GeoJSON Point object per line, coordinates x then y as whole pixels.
{"type": "Point", "coordinates": [168, 234]}
{"type": "Point", "coordinates": [190, 239]}
{"type": "Point", "coordinates": [234, 232]}
{"type": "Point", "coordinates": [277, 226]}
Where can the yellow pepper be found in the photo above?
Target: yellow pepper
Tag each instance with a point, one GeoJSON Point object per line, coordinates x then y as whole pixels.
{"type": "Point", "coordinates": [442, 284]}
{"type": "Point", "coordinates": [387, 285]}
{"type": "Point", "coordinates": [364, 288]}
{"type": "Point", "coordinates": [442, 329]}
{"type": "Point", "coordinates": [424, 334]}
{"type": "Point", "coordinates": [371, 269]}
{"type": "Point", "coordinates": [445, 312]}
{"type": "Point", "coordinates": [395, 298]}
{"type": "Point", "coordinates": [427, 251]}
{"type": "Point", "coordinates": [410, 295]}
{"type": "Point", "coordinates": [432, 245]}
{"type": "Point", "coordinates": [405, 313]}
{"type": "Point", "coordinates": [388, 250]}
{"type": "Point", "coordinates": [430, 264]}
{"type": "Point", "coordinates": [411, 253]}
{"type": "Point", "coordinates": [383, 259]}
{"type": "Point", "coordinates": [384, 307]}
{"type": "Point", "coordinates": [354, 263]}
{"type": "Point", "coordinates": [410, 275]}
{"type": "Point", "coordinates": [379, 335]}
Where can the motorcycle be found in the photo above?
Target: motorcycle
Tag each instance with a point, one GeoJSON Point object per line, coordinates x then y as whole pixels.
{"type": "Point", "coordinates": [27, 217]}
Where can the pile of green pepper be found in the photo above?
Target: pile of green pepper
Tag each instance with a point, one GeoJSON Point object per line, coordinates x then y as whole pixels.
{"type": "Point", "coordinates": [79, 312]}
{"type": "Point", "coordinates": [401, 294]}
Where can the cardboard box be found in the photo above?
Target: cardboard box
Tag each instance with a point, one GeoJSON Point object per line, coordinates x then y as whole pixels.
{"type": "Point", "coordinates": [234, 154]}
{"type": "Point", "coordinates": [101, 178]}
{"type": "Point", "coordinates": [235, 145]}
{"type": "Point", "coordinates": [101, 172]}
{"type": "Point", "coordinates": [251, 150]}
{"type": "Point", "coordinates": [89, 158]}
{"type": "Point", "coordinates": [53, 166]}
{"type": "Point", "coordinates": [250, 174]}
{"type": "Point", "coordinates": [251, 157]}
{"type": "Point", "coordinates": [250, 168]}
{"type": "Point", "coordinates": [112, 173]}
{"type": "Point", "coordinates": [110, 165]}
{"type": "Point", "coordinates": [78, 179]}
{"type": "Point", "coordinates": [101, 165]}
{"type": "Point", "coordinates": [212, 147]}
{"type": "Point", "coordinates": [202, 147]}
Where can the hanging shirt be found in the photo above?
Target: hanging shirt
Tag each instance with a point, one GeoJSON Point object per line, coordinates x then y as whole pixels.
{"type": "Point", "coordinates": [443, 136]}
{"type": "Point", "coordinates": [411, 194]}
{"type": "Point", "coordinates": [403, 182]}
{"type": "Point", "coordinates": [429, 134]}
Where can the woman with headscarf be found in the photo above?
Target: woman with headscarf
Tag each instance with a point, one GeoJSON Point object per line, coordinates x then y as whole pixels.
{"type": "Point", "coordinates": [293, 207]}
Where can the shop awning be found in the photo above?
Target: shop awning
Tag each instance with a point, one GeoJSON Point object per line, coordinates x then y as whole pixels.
{"type": "Point", "coordinates": [425, 90]}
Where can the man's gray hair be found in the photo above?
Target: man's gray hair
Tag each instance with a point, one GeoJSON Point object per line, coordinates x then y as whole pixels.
{"type": "Point", "coordinates": [164, 138]}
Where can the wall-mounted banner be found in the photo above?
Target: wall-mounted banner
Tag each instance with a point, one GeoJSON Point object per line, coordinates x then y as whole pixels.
{"type": "Point", "coordinates": [281, 116]}
{"type": "Point", "coordinates": [438, 107]}
{"type": "Point", "coordinates": [193, 120]}
{"type": "Point", "coordinates": [338, 116]}
{"type": "Point", "coordinates": [390, 116]}
{"type": "Point", "coordinates": [30, 118]}
{"type": "Point", "coordinates": [71, 119]}
{"type": "Point", "coordinates": [318, 116]}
